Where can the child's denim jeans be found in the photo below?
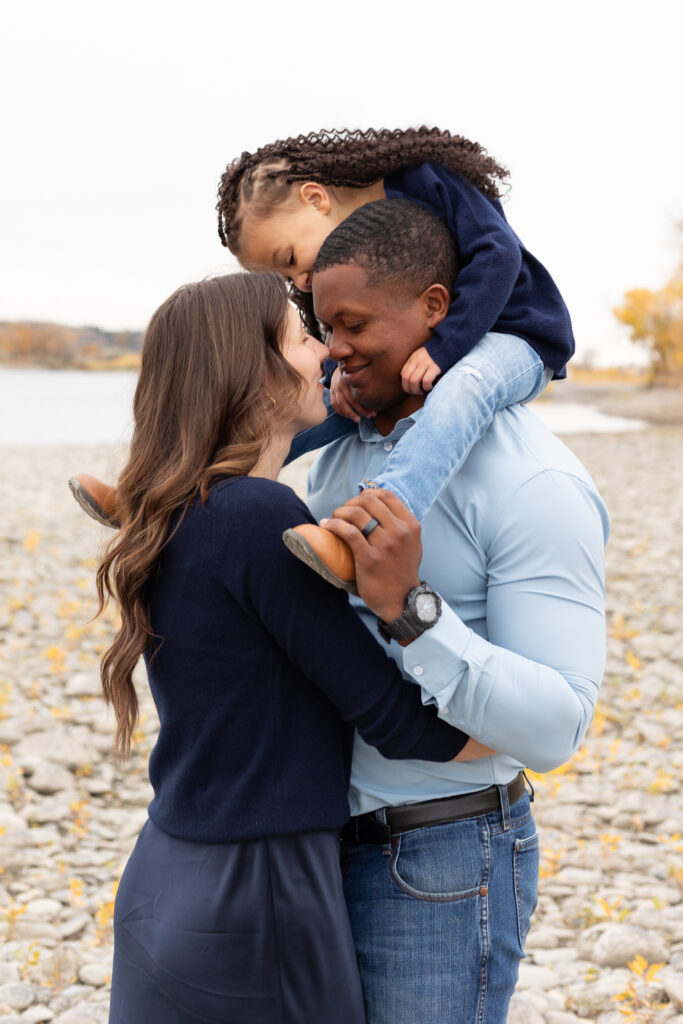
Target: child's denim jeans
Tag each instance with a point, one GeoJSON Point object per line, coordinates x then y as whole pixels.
{"type": "Point", "coordinates": [500, 371]}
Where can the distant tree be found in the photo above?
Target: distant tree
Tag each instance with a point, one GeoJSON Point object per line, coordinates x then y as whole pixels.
{"type": "Point", "coordinates": [655, 319]}
{"type": "Point", "coordinates": [43, 344]}
{"type": "Point", "coordinates": [46, 344]}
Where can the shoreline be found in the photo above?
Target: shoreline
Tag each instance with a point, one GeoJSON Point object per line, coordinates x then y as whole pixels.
{"type": "Point", "coordinates": [659, 406]}
{"type": "Point", "coordinates": [116, 364]}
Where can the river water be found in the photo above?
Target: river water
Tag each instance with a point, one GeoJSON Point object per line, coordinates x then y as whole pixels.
{"type": "Point", "coordinates": [75, 407]}
{"type": "Point", "coordinates": [65, 407]}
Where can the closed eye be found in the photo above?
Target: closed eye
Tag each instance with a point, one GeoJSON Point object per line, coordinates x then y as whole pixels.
{"type": "Point", "coordinates": [291, 261]}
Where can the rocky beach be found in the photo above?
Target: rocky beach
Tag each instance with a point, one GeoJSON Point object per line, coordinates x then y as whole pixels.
{"type": "Point", "coordinates": [606, 943]}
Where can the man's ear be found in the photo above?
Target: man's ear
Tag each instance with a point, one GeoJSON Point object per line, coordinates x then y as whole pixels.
{"type": "Point", "coordinates": [311, 192]}
{"type": "Point", "coordinates": [437, 299]}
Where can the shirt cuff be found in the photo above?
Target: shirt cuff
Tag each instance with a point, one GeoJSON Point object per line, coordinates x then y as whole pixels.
{"type": "Point", "coordinates": [436, 660]}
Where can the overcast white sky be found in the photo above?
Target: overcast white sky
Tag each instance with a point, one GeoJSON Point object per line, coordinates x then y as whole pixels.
{"type": "Point", "coordinates": [118, 120]}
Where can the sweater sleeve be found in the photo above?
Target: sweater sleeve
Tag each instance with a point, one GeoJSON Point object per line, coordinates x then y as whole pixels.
{"type": "Point", "coordinates": [488, 250]}
{"type": "Point", "coordinates": [316, 627]}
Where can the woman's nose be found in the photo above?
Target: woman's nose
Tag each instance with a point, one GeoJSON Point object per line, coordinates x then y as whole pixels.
{"type": "Point", "coordinates": [303, 281]}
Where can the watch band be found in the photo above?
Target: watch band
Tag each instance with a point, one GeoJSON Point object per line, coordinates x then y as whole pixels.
{"type": "Point", "coordinates": [399, 630]}
{"type": "Point", "coordinates": [409, 625]}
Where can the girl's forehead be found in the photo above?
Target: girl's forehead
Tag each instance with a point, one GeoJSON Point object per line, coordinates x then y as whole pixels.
{"type": "Point", "coordinates": [261, 238]}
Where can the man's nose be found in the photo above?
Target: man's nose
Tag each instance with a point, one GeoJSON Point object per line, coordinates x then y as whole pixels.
{"type": "Point", "coordinates": [338, 347]}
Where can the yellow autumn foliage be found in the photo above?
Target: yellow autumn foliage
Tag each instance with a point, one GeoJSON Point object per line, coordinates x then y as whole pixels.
{"type": "Point", "coordinates": [655, 319]}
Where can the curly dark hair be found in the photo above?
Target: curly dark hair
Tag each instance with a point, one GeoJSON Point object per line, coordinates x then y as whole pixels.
{"type": "Point", "coordinates": [341, 158]}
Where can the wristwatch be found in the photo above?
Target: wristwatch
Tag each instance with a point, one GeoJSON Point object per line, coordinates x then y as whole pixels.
{"type": "Point", "coordinates": [421, 612]}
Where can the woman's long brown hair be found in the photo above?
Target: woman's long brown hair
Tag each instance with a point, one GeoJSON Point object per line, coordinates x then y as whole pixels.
{"type": "Point", "coordinates": [212, 366]}
{"type": "Point", "coordinates": [262, 180]}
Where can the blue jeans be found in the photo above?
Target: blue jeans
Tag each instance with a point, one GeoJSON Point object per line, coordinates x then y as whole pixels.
{"type": "Point", "coordinates": [500, 371]}
{"type": "Point", "coordinates": [439, 917]}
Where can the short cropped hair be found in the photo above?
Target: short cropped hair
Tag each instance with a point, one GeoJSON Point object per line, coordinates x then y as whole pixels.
{"type": "Point", "coordinates": [397, 242]}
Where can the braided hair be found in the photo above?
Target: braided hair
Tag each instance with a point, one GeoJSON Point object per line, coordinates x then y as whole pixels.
{"type": "Point", "coordinates": [262, 180]}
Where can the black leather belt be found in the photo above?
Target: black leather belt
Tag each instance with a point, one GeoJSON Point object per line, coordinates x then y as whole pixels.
{"type": "Point", "coordinates": [365, 828]}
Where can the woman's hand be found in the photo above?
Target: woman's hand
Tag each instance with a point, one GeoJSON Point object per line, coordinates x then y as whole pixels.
{"type": "Point", "coordinates": [387, 559]}
{"type": "Point", "coordinates": [473, 750]}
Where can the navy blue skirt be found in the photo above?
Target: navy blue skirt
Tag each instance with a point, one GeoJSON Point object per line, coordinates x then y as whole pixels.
{"type": "Point", "coordinates": [254, 932]}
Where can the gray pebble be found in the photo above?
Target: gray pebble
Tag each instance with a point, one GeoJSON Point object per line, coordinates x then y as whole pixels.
{"type": "Point", "coordinates": [672, 982]}
{"type": "Point", "coordinates": [74, 925]}
{"type": "Point", "coordinates": [522, 1011]}
{"type": "Point", "coordinates": [43, 908]}
{"type": "Point", "coordinates": [9, 973]}
{"type": "Point", "coordinates": [65, 747]}
{"type": "Point", "coordinates": [49, 778]}
{"type": "Point", "coordinates": [16, 995]}
{"type": "Point", "coordinates": [37, 1013]}
{"type": "Point", "coordinates": [96, 974]}
{"type": "Point", "coordinates": [532, 976]}
{"type": "Point", "coordinates": [83, 684]}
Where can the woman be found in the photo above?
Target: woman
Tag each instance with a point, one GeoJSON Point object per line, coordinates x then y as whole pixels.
{"type": "Point", "coordinates": [230, 908]}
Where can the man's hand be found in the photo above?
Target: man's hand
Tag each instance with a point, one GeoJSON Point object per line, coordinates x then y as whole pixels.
{"type": "Point", "coordinates": [388, 559]}
{"type": "Point", "coordinates": [343, 401]}
{"type": "Point", "coordinates": [387, 562]}
{"type": "Point", "coordinates": [419, 372]}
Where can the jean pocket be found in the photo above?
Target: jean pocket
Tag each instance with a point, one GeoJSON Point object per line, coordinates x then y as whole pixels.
{"type": "Point", "coordinates": [525, 872]}
{"type": "Point", "coordinates": [442, 863]}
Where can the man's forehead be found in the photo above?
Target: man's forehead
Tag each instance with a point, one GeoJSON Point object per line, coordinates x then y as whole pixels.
{"type": "Point", "coordinates": [343, 289]}
{"type": "Point", "coordinates": [340, 275]}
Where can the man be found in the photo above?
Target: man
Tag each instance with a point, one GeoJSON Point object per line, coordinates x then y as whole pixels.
{"type": "Point", "coordinates": [440, 895]}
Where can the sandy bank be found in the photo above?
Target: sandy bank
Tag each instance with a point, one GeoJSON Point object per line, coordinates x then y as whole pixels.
{"type": "Point", "coordinates": [658, 405]}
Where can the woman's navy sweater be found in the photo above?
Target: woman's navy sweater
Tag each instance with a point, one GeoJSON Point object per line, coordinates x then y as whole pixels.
{"type": "Point", "coordinates": [256, 704]}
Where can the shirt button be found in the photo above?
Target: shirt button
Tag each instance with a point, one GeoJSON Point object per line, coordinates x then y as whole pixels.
{"type": "Point", "coordinates": [418, 670]}
{"type": "Point", "coordinates": [388, 446]}
{"type": "Point", "coordinates": [446, 710]}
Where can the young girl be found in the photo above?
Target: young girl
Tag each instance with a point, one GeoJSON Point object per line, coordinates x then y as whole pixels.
{"type": "Point", "coordinates": [277, 206]}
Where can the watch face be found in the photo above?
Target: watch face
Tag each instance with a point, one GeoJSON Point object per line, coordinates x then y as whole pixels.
{"type": "Point", "coordinates": [425, 607]}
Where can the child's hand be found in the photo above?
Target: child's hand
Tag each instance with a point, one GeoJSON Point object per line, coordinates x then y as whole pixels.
{"type": "Point", "coordinates": [419, 372]}
{"type": "Point", "coordinates": [343, 401]}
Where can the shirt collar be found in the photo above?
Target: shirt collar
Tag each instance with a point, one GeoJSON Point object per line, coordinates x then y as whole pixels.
{"type": "Point", "coordinates": [367, 432]}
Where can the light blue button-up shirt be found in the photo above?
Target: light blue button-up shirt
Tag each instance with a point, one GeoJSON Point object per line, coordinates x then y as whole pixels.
{"type": "Point", "coordinates": [515, 547]}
